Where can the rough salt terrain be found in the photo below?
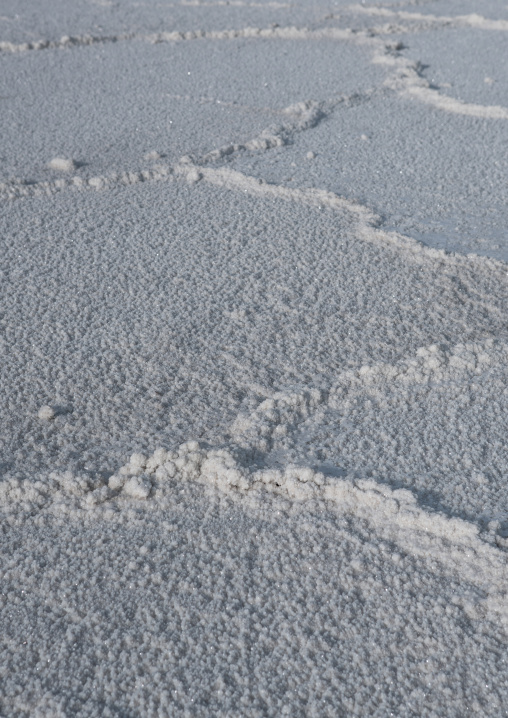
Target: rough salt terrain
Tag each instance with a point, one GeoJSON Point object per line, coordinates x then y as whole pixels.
{"type": "Point", "coordinates": [254, 349]}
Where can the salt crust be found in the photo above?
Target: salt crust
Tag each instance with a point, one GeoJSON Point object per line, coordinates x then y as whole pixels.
{"type": "Point", "coordinates": [210, 606]}
{"type": "Point", "coordinates": [227, 178]}
{"type": "Point", "coordinates": [406, 77]}
{"type": "Point", "coordinates": [419, 21]}
{"type": "Point", "coordinates": [232, 467]}
{"type": "Point", "coordinates": [235, 469]}
{"type": "Point", "coordinates": [412, 22]}
{"type": "Point", "coordinates": [301, 116]}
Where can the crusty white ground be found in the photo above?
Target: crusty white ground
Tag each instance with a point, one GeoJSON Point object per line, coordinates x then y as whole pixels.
{"type": "Point", "coordinates": [253, 454]}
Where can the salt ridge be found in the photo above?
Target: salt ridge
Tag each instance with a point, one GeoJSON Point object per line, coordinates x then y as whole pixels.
{"type": "Point", "coordinates": [253, 435]}
{"type": "Point", "coordinates": [408, 81]}
{"type": "Point", "coordinates": [417, 22]}
{"type": "Point", "coordinates": [420, 21]}
{"type": "Point", "coordinates": [406, 78]}
{"type": "Point", "coordinates": [394, 513]}
{"type": "Point", "coordinates": [234, 180]}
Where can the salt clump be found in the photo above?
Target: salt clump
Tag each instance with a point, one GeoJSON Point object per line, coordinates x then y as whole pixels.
{"type": "Point", "coordinates": [62, 165]}
{"type": "Point", "coordinates": [46, 413]}
{"type": "Point", "coordinates": [152, 156]}
{"type": "Point", "coordinates": [137, 488]}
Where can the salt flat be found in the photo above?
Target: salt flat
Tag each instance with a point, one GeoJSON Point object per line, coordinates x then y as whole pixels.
{"type": "Point", "coordinates": [254, 351]}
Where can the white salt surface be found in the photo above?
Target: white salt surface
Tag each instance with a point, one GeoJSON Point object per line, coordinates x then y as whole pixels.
{"type": "Point", "coordinates": [253, 456]}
